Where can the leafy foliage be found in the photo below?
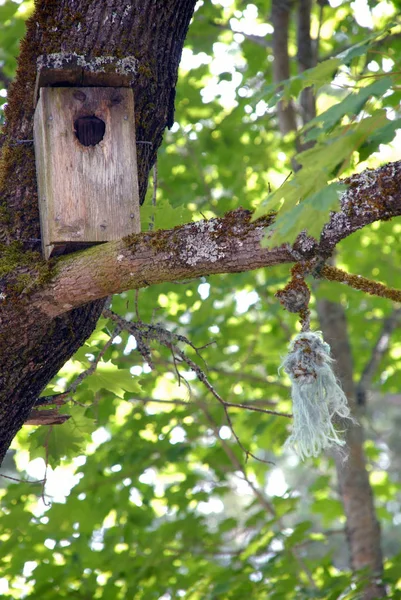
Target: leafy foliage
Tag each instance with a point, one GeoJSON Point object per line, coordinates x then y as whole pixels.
{"type": "Point", "coordinates": [148, 494]}
{"type": "Point", "coordinates": [346, 133]}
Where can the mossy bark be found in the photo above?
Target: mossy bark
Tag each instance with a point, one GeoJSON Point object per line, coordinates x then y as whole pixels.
{"type": "Point", "coordinates": [33, 347]}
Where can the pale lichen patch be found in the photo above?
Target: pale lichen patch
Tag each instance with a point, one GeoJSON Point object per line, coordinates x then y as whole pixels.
{"type": "Point", "coordinates": [200, 245]}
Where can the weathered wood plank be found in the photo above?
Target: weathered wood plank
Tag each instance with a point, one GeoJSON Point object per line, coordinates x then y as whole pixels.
{"type": "Point", "coordinates": [87, 193]}
{"type": "Point", "coordinates": [63, 69]}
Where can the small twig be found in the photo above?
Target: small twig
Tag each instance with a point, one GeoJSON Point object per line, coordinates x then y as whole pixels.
{"type": "Point", "coordinates": [137, 305]}
{"type": "Point", "coordinates": [175, 367]}
{"type": "Point", "coordinates": [317, 40]}
{"type": "Point", "coordinates": [260, 380]}
{"type": "Point", "coordinates": [67, 395]}
{"type": "Point", "coordinates": [257, 409]}
{"type": "Point", "coordinates": [154, 196]}
{"type": "Point", "coordinates": [149, 332]}
{"type": "Point", "coordinates": [203, 379]}
{"type": "Point", "coordinates": [243, 406]}
{"type": "Point", "coordinates": [360, 283]}
{"type": "Point", "coordinates": [46, 446]}
{"type": "Point", "coordinates": [36, 482]}
{"type": "Point", "coordinates": [93, 366]}
{"type": "Point", "coordinates": [168, 339]}
{"type": "Point", "coordinates": [237, 463]}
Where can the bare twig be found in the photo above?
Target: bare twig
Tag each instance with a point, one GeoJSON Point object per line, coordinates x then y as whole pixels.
{"type": "Point", "coordinates": [255, 408]}
{"type": "Point", "coordinates": [46, 445]}
{"type": "Point", "coordinates": [317, 40]}
{"type": "Point", "coordinates": [259, 380]}
{"type": "Point", "coordinates": [137, 305]}
{"type": "Point", "coordinates": [36, 482]}
{"type": "Point", "coordinates": [256, 39]}
{"type": "Point", "coordinates": [360, 283]}
{"type": "Point", "coordinates": [245, 405]}
{"type": "Point", "coordinates": [154, 196]}
{"type": "Point", "coordinates": [67, 395]}
{"type": "Point", "coordinates": [144, 333]}
{"type": "Point", "coordinates": [235, 462]}
{"type": "Point", "coordinates": [203, 379]}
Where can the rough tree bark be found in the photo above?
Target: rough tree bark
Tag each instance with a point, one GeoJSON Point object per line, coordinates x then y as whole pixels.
{"type": "Point", "coordinates": [226, 245]}
{"type": "Point", "coordinates": [362, 526]}
{"type": "Point", "coordinates": [154, 34]}
{"type": "Point", "coordinates": [280, 19]}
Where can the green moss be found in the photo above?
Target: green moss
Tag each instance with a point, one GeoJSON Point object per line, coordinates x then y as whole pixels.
{"type": "Point", "coordinates": [22, 271]}
{"type": "Point", "coordinates": [145, 70]}
{"type": "Point", "coordinates": [11, 257]}
{"type": "Point", "coordinates": [132, 241]}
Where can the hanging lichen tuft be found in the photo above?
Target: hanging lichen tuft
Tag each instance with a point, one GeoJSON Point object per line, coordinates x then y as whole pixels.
{"type": "Point", "coordinates": [317, 397]}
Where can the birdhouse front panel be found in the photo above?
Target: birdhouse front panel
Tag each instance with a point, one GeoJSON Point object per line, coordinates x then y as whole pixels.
{"type": "Point", "coordinates": [86, 165]}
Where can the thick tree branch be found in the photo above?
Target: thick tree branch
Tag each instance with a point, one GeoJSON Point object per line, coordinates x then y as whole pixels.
{"type": "Point", "coordinates": [256, 39]}
{"type": "Point", "coordinates": [227, 245]}
{"type": "Point", "coordinates": [46, 417]}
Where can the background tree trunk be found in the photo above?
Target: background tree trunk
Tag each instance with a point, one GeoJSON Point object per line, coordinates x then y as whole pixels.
{"type": "Point", "coordinates": [362, 526]}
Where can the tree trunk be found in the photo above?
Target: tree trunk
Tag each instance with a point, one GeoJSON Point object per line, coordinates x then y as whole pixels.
{"type": "Point", "coordinates": [362, 526]}
{"type": "Point", "coordinates": [281, 12]}
{"type": "Point", "coordinates": [154, 34]}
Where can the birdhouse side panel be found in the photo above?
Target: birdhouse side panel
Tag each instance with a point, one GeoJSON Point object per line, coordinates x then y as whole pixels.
{"type": "Point", "coordinates": [45, 189]}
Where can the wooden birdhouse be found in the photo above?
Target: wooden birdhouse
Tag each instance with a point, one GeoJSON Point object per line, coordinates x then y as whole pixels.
{"type": "Point", "coordinates": [85, 147]}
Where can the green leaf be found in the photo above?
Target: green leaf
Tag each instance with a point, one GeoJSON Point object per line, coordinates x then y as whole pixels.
{"type": "Point", "coordinates": [381, 135]}
{"type": "Point", "coordinates": [314, 77]}
{"type": "Point", "coordinates": [163, 216]}
{"type": "Point", "coordinates": [350, 106]}
{"type": "Point", "coordinates": [310, 215]}
{"type": "Point", "coordinates": [109, 377]}
{"type": "Point", "coordinates": [54, 442]}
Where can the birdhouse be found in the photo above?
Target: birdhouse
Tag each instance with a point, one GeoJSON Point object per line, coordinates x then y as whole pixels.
{"type": "Point", "coordinates": [85, 148]}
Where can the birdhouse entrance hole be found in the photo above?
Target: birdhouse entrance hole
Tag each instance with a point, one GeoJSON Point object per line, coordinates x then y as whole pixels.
{"type": "Point", "coordinates": [89, 130]}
